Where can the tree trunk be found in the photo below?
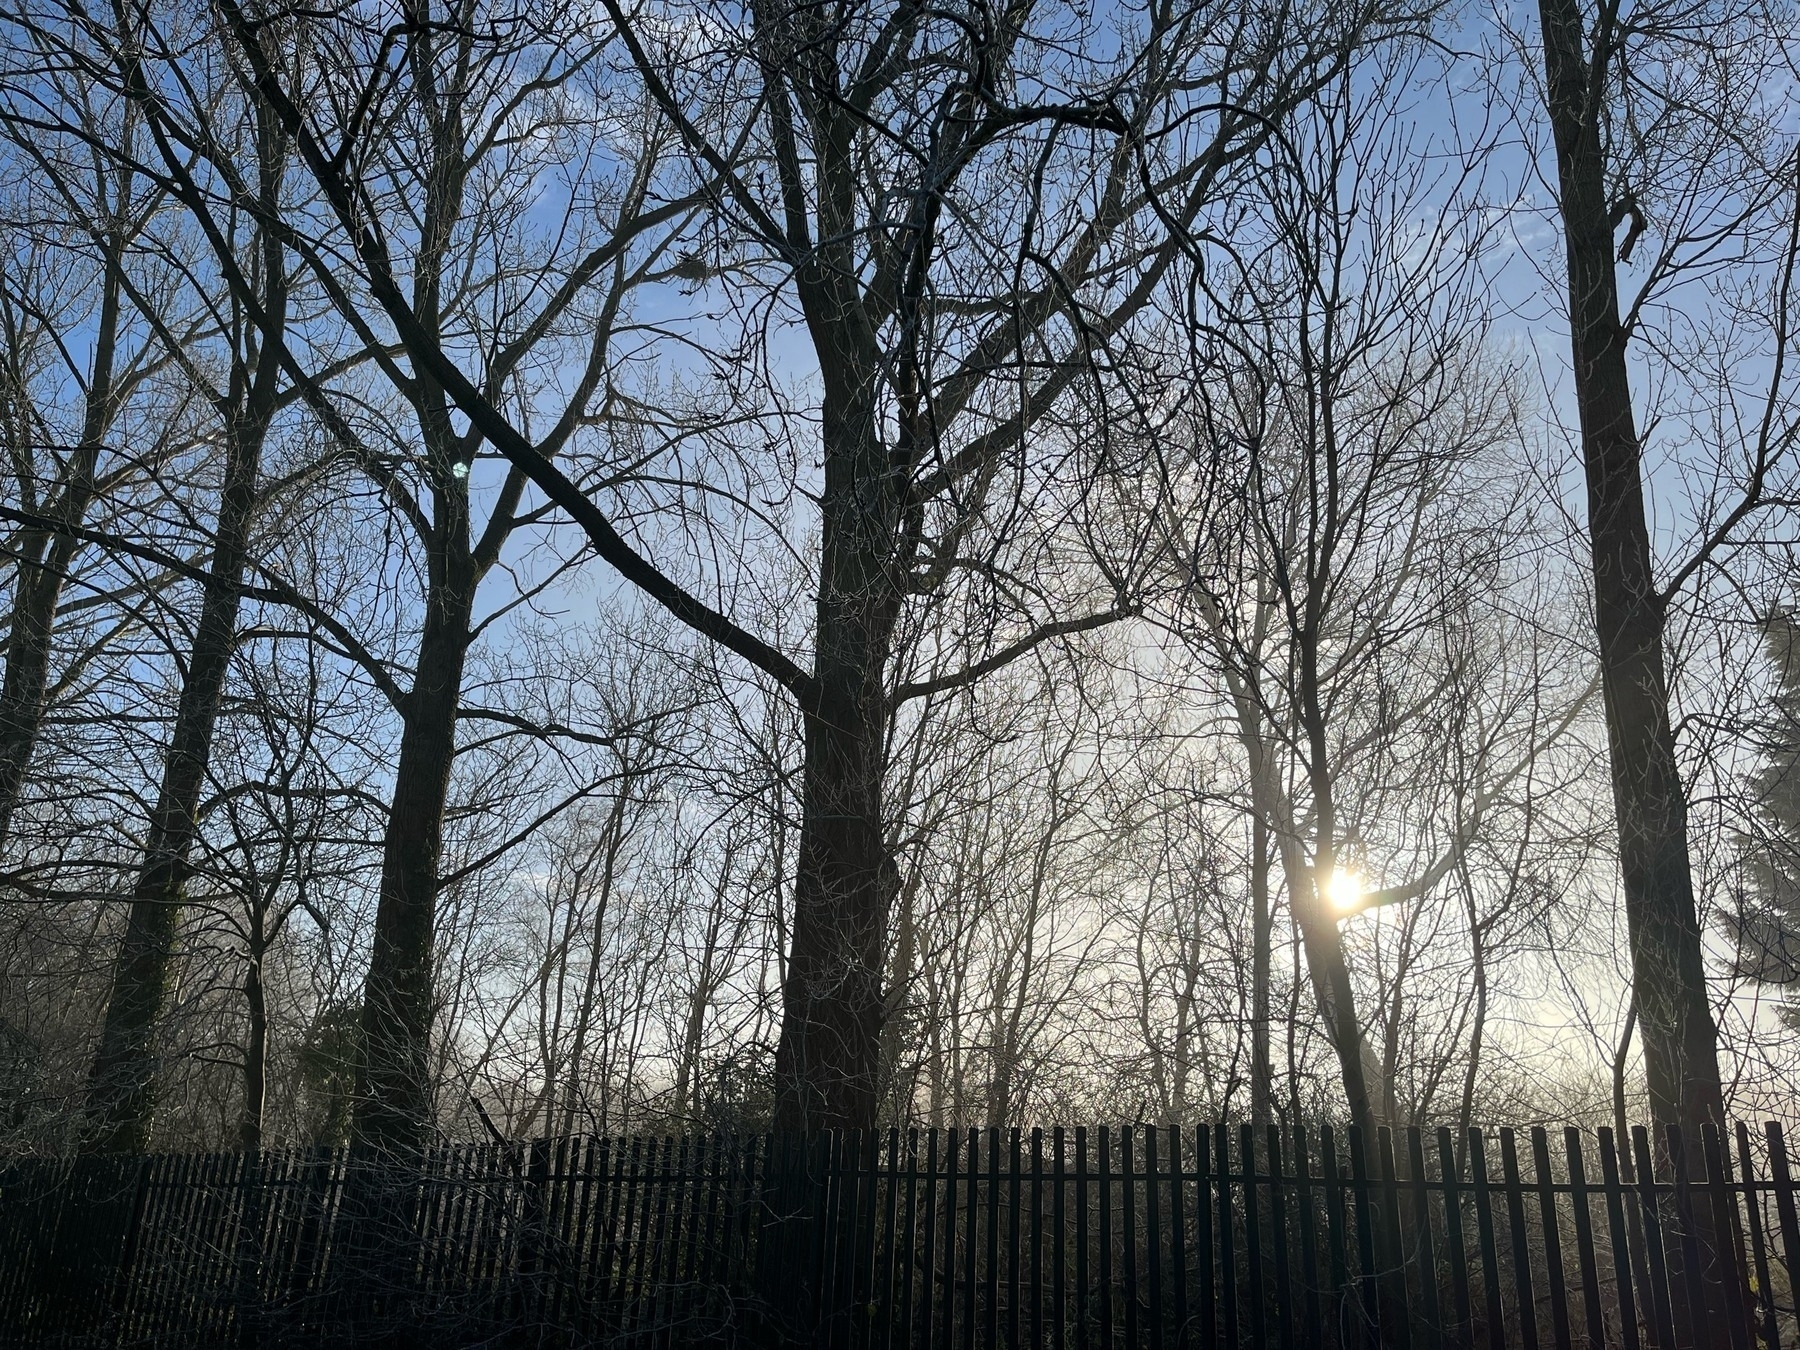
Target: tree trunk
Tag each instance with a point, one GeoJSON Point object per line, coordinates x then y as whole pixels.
{"type": "Point", "coordinates": [1668, 971]}
{"type": "Point", "coordinates": [256, 1054]}
{"type": "Point", "coordinates": [394, 1100]}
{"type": "Point", "coordinates": [1320, 938]}
{"type": "Point", "coordinates": [832, 1004]}
{"type": "Point", "coordinates": [895, 1043]}
{"type": "Point", "coordinates": [1262, 943]}
{"type": "Point", "coordinates": [828, 1057]}
{"type": "Point", "coordinates": [121, 1098]}
{"type": "Point", "coordinates": [43, 565]}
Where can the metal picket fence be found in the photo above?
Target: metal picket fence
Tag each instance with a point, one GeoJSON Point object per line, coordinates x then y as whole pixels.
{"type": "Point", "coordinates": [1090, 1239]}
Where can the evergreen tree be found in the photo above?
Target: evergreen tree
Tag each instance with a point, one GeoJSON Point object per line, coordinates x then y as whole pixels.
{"type": "Point", "coordinates": [1767, 918]}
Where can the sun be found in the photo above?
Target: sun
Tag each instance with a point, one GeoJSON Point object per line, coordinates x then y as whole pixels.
{"type": "Point", "coordinates": [1345, 890]}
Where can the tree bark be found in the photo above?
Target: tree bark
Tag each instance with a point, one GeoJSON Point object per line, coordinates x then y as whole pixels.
{"type": "Point", "coordinates": [1262, 943]}
{"type": "Point", "coordinates": [43, 565]}
{"type": "Point", "coordinates": [1668, 970]}
{"type": "Point", "coordinates": [121, 1096]}
{"type": "Point", "coordinates": [256, 1054]}
{"type": "Point", "coordinates": [832, 999]}
{"type": "Point", "coordinates": [1320, 938]}
{"type": "Point", "coordinates": [394, 1099]}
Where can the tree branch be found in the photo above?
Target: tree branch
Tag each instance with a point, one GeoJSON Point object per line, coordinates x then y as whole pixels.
{"type": "Point", "coordinates": [1007, 655]}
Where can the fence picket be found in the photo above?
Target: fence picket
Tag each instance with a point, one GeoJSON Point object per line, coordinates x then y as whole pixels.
{"type": "Point", "coordinates": [1014, 1143]}
{"type": "Point", "coordinates": [1450, 1179]}
{"type": "Point", "coordinates": [1128, 1231]}
{"type": "Point", "coordinates": [971, 1211]}
{"type": "Point", "coordinates": [1228, 1278]}
{"type": "Point", "coordinates": [929, 1269]}
{"type": "Point", "coordinates": [1153, 1236]}
{"type": "Point", "coordinates": [1624, 1268]}
{"type": "Point", "coordinates": [1203, 1236]}
{"type": "Point", "coordinates": [1313, 1329]}
{"type": "Point", "coordinates": [1692, 1273]}
{"type": "Point", "coordinates": [1336, 1225]}
{"type": "Point", "coordinates": [1059, 1229]}
{"type": "Point", "coordinates": [1253, 1240]}
{"type": "Point", "coordinates": [1081, 1238]}
{"type": "Point", "coordinates": [1178, 1237]}
{"type": "Point", "coordinates": [1656, 1261]}
{"type": "Point", "coordinates": [1368, 1295]}
{"type": "Point", "coordinates": [1106, 1243]}
{"type": "Point", "coordinates": [1729, 1238]}
{"type": "Point", "coordinates": [991, 1276]}
{"type": "Point", "coordinates": [1584, 1239]}
{"type": "Point", "coordinates": [1037, 1239]}
{"type": "Point", "coordinates": [1278, 1231]}
{"type": "Point", "coordinates": [910, 1273]}
{"type": "Point", "coordinates": [1525, 1298]}
{"type": "Point", "coordinates": [1430, 1319]}
{"type": "Point", "coordinates": [1784, 1200]}
{"type": "Point", "coordinates": [1753, 1207]}
{"type": "Point", "coordinates": [889, 1223]}
{"type": "Point", "coordinates": [1396, 1314]}
{"type": "Point", "coordinates": [1490, 1251]}
{"type": "Point", "coordinates": [1553, 1263]}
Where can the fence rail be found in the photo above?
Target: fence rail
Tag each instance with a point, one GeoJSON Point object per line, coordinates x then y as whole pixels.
{"type": "Point", "coordinates": [1220, 1236]}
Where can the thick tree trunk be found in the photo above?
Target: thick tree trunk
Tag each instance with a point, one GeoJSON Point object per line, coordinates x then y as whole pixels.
{"type": "Point", "coordinates": [828, 1058]}
{"type": "Point", "coordinates": [121, 1098]}
{"type": "Point", "coordinates": [1668, 970]}
{"type": "Point", "coordinates": [43, 565]}
{"type": "Point", "coordinates": [832, 1000]}
{"type": "Point", "coordinates": [394, 1100]}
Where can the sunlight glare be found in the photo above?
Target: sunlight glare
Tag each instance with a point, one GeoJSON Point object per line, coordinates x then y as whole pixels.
{"type": "Point", "coordinates": [1344, 890]}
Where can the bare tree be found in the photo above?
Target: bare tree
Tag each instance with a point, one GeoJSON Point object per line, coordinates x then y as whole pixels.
{"type": "Point", "coordinates": [64, 274]}
{"type": "Point", "coordinates": [122, 1092]}
{"type": "Point", "coordinates": [1657, 122]}
{"type": "Point", "coordinates": [1343, 490]}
